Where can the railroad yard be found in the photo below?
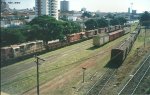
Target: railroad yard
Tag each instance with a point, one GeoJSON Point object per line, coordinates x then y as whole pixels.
{"type": "Point", "coordinates": [62, 71]}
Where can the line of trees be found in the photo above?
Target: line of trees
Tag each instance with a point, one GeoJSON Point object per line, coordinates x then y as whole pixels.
{"type": "Point", "coordinates": [145, 19]}
{"type": "Point", "coordinates": [40, 28]}
{"type": "Point", "coordinates": [99, 23]}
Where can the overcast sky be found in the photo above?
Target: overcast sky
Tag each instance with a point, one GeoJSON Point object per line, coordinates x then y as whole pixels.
{"type": "Point", "coordinates": [93, 5]}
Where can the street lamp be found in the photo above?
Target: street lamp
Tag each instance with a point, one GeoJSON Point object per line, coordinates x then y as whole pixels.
{"type": "Point", "coordinates": [37, 65]}
{"type": "Point", "coordinates": [83, 68]}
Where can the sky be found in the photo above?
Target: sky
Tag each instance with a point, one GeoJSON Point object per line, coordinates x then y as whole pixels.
{"type": "Point", "coordinates": [93, 5]}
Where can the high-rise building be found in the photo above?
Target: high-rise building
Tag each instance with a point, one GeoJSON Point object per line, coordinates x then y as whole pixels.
{"type": "Point", "coordinates": [64, 5]}
{"type": "Point", "coordinates": [128, 10]}
{"type": "Point", "coordinates": [46, 7]}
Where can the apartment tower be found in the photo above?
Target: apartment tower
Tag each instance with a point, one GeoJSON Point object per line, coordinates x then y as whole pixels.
{"type": "Point", "coordinates": [46, 7]}
{"type": "Point", "coordinates": [64, 6]}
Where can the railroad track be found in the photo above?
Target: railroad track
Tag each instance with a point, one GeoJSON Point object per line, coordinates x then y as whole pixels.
{"type": "Point", "coordinates": [132, 84]}
{"type": "Point", "coordinates": [144, 84]}
{"type": "Point", "coordinates": [51, 58]}
{"type": "Point", "coordinates": [99, 85]}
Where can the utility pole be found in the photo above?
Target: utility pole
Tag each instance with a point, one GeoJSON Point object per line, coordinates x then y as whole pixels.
{"type": "Point", "coordinates": [145, 37]}
{"type": "Point", "coordinates": [37, 64]}
{"type": "Point", "coordinates": [83, 68]}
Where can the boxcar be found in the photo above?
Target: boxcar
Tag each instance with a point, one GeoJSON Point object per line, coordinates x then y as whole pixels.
{"type": "Point", "coordinates": [73, 37]}
{"type": "Point", "coordinates": [16, 51]}
{"type": "Point", "coordinates": [6, 53]}
{"type": "Point", "coordinates": [23, 48]}
{"type": "Point", "coordinates": [89, 34]}
{"type": "Point", "coordinates": [31, 47]}
{"type": "Point", "coordinates": [116, 34]}
{"type": "Point", "coordinates": [102, 30]}
{"type": "Point", "coordinates": [53, 44]}
{"type": "Point", "coordinates": [99, 40]}
{"type": "Point", "coordinates": [112, 28]}
{"type": "Point", "coordinates": [119, 54]}
{"type": "Point", "coordinates": [39, 45]}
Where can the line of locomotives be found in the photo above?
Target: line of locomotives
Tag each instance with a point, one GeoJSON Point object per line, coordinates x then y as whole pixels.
{"type": "Point", "coordinates": [19, 50]}
{"type": "Point", "coordinates": [119, 53]}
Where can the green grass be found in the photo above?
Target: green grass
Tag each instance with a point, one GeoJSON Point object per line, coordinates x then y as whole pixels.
{"type": "Point", "coordinates": [50, 70]}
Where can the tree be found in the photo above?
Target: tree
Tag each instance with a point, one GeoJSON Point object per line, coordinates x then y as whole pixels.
{"type": "Point", "coordinates": [102, 23]}
{"type": "Point", "coordinates": [12, 36]}
{"type": "Point", "coordinates": [145, 19]}
{"type": "Point", "coordinates": [42, 20]}
{"type": "Point", "coordinates": [75, 27]}
{"type": "Point", "coordinates": [111, 16]}
{"type": "Point", "coordinates": [58, 31]}
{"type": "Point", "coordinates": [34, 32]}
{"type": "Point", "coordinates": [91, 24]}
{"type": "Point", "coordinates": [45, 26]}
{"type": "Point", "coordinates": [114, 21]}
{"type": "Point", "coordinates": [67, 27]}
{"type": "Point", "coordinates": [86, 14]}
{"type": "Point", "coordinates": [122, 20]}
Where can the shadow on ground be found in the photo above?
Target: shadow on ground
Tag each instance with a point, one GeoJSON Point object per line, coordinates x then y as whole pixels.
{"type": "Point", "coordinates": [113, 64]}
{"type": "Point", "coordinates": [93, 48]}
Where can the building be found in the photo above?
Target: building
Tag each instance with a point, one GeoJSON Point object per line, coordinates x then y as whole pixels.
{"type": "Point", "coordinates": [64, 5]}
{"type": "Point", "coordinates": [46, 7]}
{"type": "Point", "coordinates": [4, 6]}
{"type": "Point", "coordinates": [129, 10]}
{"type": "Point", "coordinates": [11, 23]}
{"type": "Point", "coordinates": [133, 11]}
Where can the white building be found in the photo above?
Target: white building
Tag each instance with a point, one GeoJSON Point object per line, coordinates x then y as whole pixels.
{"type": "Point", "coordinates": [8, 23]}
{"type": "Point", "coordinates": [46, 7]}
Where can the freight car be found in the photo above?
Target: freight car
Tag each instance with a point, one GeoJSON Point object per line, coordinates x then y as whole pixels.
{"type": "Point", "coordinates": [6, 53]}
{"type": "Point", "coordinates": [116, 34]}
{"type": "Point", "coordinates": [89, 34]}
{"type": "Point", "coordinates": [15, 51]}
{"type": "Point", "coordinates": [119, 54]}
{"type": "Point", "coordinates": [53, 44]}
{"type": "Point", "coordinates": [78, 36]}
{"type": "Point", "coordinates": [101, 39]}
{"type": "Point", "coordinates": [102, 30]}
{"type": "Point", "coordinates": [111, 29]}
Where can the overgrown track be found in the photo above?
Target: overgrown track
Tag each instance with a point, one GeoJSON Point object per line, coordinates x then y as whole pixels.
{"type": "Point", "coordinates": [100, 84]}
{"type": "Point", "coordinates": [133, 83]}
{"type": "Point", "coordinates": [27, 65]}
